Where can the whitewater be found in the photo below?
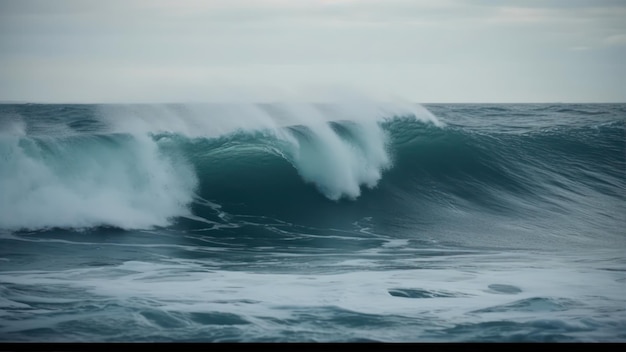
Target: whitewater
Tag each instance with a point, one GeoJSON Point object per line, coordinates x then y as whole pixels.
{"type": "Point", "coordinates": [312, 222]}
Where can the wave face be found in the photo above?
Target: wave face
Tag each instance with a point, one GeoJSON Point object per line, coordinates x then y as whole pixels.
{"type": "Point", "coordinates": [141, 166]}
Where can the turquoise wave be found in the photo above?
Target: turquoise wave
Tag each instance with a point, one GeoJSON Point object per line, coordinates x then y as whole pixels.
{"type": "Point", "coordinates": [88, 174]}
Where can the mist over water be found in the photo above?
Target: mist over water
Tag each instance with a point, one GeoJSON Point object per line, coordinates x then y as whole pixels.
{"type": "Point", "coordinates": [347, 221]}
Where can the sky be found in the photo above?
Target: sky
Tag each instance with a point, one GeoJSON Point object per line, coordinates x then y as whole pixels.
{"type": "Point", "coordinates": [430, 51]}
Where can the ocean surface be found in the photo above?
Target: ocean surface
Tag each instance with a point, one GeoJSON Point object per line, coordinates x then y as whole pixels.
{"type": "Point", "coordinates": [294, 222]}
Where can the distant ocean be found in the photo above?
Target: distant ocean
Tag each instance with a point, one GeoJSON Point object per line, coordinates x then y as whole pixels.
{"type": "Point", "coordinates": [293, 222]}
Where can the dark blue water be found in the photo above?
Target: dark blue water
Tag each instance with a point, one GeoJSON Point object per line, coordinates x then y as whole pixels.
{"type": "Point", "coordinates": [302, 222]}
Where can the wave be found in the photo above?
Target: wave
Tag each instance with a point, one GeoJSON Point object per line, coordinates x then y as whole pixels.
{"type": "Point", "coordinates": [137, 167]}
{"type": "Point", "coordinates": [142, 167]}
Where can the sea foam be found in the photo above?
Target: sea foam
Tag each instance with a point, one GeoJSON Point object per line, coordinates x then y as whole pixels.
{"type": "Point", "coordinates": [90, 181]}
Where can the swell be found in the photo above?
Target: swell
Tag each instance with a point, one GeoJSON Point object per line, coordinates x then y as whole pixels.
{"type": "Point", "coordinates": [523, 164]}
{"type": "Point", "coordinates": [141, 176]}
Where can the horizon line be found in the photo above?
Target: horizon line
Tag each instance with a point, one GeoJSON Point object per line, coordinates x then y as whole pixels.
{"type": "Point", "coordinates": [6, 102]}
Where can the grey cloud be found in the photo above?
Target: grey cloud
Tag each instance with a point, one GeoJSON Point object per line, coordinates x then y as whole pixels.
{"type": "Point", "coordinates": [428, 50]}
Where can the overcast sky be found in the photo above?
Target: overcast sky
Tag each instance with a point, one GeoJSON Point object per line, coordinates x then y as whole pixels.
{"type": "Point", "coordinates": [424, 51]}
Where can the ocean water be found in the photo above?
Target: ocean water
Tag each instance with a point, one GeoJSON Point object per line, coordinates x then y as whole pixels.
{"type": "Point", "coordinates": [293, 222]}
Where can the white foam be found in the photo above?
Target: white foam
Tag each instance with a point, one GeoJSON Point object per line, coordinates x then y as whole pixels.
{"type": "Point", "coordinates": [339, 166]}
{"type": "Point", "coordinates": [188, 286]}
{"type": "Point", "coordinates": [130, 187]}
